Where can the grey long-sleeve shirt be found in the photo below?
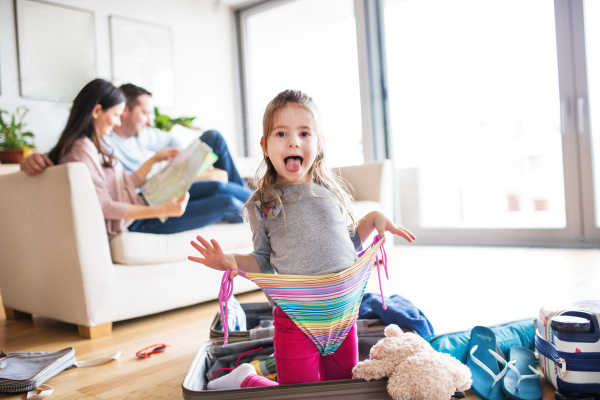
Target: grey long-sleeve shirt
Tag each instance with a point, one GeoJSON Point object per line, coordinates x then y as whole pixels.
{"type": "Point", "coordinates": [315, 239]}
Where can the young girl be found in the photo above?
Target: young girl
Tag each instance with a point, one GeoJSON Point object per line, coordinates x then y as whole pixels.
{"type": "Point", "coordinates": [298, 217]}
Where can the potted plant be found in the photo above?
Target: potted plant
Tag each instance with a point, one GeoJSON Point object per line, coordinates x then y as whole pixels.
{"type": "Point", "coordinates": [14, 140]}
{"type": "Point", "coordinates": [165, 123]}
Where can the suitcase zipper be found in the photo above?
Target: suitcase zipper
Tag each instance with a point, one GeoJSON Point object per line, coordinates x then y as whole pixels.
{"type": "Point", "coordinates": [563, 368]}
{"type": "Point", "coordinates": [549, 350]}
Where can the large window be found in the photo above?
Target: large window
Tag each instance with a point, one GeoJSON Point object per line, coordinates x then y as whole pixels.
{"type": "Point", "coordinates": [307, 45]}
{"type": "Point", "coordinates": [490, 110]}
{"type": "Point", "coordinates": [475, 113]}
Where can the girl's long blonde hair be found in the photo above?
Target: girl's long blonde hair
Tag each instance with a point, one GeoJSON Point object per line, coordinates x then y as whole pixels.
{"type": "Point", "coordinates": [266, 175]}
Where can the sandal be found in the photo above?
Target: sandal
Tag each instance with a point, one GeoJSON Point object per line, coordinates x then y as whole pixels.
{"type": "Point", "coordinates": [516, 384]}
{"type": "Point", "coordinates": [483, 363]}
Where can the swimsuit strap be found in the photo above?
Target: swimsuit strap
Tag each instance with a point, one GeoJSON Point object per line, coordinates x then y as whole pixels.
{"type": "Point", "coordinates": [384, 260]}
{"type": "Point", "coordinates": [225, 293]}
{"type": "Point", "coordinates": [226, 289]}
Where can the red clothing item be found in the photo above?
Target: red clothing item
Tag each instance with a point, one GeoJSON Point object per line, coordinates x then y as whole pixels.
{"type": "Point", "coordinates": [115, 189]}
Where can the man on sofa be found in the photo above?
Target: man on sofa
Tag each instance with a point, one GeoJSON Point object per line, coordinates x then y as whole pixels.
{"type": "Point", "coordinates": [134, 141]}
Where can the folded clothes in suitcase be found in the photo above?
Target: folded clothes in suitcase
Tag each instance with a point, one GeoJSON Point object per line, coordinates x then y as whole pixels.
{"type": "Point", "coordinates": [568, 342]}
{"type": "Point", "coordinates": [258, 314]}
{"type": "Point", "coordinates": [213, 356]}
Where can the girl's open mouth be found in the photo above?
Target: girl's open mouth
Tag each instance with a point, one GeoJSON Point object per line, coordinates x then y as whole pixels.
{"type": "Point", "coordinates": [293, 163]}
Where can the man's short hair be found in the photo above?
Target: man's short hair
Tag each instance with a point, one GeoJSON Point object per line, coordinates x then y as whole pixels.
{"type": "Point", "coordinates": [132, 92]}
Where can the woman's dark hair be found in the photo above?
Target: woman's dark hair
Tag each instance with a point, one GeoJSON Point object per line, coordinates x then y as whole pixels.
{"type": "Point", "coordinates": [81, 122]}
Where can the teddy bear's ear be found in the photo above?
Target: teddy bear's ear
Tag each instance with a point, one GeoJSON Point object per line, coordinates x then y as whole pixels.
{"type": "Point", "coordinates": [392, 331]}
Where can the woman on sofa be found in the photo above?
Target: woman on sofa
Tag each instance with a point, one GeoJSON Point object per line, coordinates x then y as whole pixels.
{"type": "Point", "coordinates": [96, 110]}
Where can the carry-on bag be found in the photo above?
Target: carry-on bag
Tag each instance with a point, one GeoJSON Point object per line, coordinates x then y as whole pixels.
{"type": "Point", "coordinates": [258, 316]}
{"type": "Point", "coordinates": [568, 342]}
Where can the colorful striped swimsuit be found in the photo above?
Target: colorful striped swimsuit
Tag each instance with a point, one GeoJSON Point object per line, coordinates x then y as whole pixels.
{"type": "Point", "coordinates": [324, 306]}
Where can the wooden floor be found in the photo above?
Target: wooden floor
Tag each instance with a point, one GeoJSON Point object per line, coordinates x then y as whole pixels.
{"type": "Point", "coordinates": [456, 288]}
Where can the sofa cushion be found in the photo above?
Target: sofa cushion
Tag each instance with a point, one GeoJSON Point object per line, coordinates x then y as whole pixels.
{"type": "Point", "coordinates": [132, 248]}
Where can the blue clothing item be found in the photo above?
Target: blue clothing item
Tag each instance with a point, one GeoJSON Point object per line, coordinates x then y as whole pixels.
{"type": "Point", "coordinates": [216, 141]}
{"type": "Point", "coordinates": [508, 334]}
{"type": "Point", "coordinates": [135, 151]}
{"type": "Point", "coordinates": [400, 311]}
{"type": "Point", "coordinates": [210, 202]}
{"type": "Point", "coordinates": [236, 316]}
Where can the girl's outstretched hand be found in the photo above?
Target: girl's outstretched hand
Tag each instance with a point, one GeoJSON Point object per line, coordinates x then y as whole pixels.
{"type": "Point", "coordinates": [383, 224]}
{"type": "Point", "coordinates": [376, 220]}
{"type": "Point", "coordinates": [213, 256]}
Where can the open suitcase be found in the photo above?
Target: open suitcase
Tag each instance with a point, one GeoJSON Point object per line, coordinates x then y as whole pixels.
{"type": "Point", "coordinates": [568, 342]}
{"type": "Point", "coordinates": [213, 356]}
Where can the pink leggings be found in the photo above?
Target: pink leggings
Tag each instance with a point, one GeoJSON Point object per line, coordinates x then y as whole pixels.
{"type": "Point", "coordinates": [298, 359]}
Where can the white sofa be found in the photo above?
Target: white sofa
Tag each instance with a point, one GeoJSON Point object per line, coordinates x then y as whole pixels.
{"type": "Point", "coordinates": [56, 260]}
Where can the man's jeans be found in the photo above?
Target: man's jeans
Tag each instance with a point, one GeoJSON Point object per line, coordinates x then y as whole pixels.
{"type": "Point", "coordinates": [215, 140]}
{"type": "Point", "coordinates": [210, 202]}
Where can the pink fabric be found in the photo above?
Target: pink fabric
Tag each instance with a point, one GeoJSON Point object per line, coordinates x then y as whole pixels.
{"type": "Point", "coordinates": [298, 360]}
{"type": "Point", "coordinates": [383, 261]}
{"type": "Point", "coordinates": [225, 293]}
{"type": "Point", "coordinates": [115, 189]}
{"type": "Point", "coordinates": [254, 380]}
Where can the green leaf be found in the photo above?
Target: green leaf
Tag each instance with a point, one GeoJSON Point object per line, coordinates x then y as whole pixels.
{"type": "Point", "coordinates": [164, 122]}
{"type": "Point", "coordinates": [11, 134]}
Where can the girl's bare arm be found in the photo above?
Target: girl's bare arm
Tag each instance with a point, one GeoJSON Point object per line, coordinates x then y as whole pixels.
{"type": "Point", "coordinates": [213, 257]}
{"type": "Point", "coordinates": [376, 220]}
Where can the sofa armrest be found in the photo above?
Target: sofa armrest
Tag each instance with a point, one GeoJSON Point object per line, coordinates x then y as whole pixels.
{"type": "Point", "coordinates": [372, 182]}
{"type": "Point", "coordinates": [55, 255]}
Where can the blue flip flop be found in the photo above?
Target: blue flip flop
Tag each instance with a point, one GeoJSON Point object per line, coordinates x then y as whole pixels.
{"type": "Point", "coordinates": [522, 381]}
{"type": "Point", "coordinates": [483, 363]}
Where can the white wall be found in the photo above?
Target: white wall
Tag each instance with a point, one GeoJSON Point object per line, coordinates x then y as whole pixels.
{"type": "Point", "coordinates": [203, 58]}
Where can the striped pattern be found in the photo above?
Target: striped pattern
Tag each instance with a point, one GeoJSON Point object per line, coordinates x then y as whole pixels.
{"type": "Point", "coordinates": [325, 306]}
{"type": "Point", "coordinates": [266, 367]}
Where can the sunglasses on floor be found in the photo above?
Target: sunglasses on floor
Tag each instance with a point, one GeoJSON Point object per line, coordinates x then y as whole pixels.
{"type": "Point", "coordinates": [148, 351]}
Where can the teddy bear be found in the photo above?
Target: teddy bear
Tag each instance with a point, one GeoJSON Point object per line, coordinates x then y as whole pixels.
{"type": "Point", "coordinates": [415, 370]}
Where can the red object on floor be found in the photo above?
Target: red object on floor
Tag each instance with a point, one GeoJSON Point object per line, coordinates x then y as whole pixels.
{"type": "Point", "coordinates": [148, 351]}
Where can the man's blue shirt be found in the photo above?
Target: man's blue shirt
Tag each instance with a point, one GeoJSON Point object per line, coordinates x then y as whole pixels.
{"type": "Point", "coordinates": [135, 151]}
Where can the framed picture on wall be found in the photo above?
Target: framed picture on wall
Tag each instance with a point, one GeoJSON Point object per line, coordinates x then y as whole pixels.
{"type": "Point", "coordinates": [56, 49]}
{"type": "Point", "coordinates": [142, 54]}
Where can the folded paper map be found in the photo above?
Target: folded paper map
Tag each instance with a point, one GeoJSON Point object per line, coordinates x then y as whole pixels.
{"type": "Point", "coordinates": [177, 177]}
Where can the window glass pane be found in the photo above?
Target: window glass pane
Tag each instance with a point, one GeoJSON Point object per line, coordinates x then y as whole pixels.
{"type": "Point", "coordinates": [592, 54]}
{"type": "Point", "coordinates": [307, 45]}
{"type": "Point", "coordinates": [475, 113]}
